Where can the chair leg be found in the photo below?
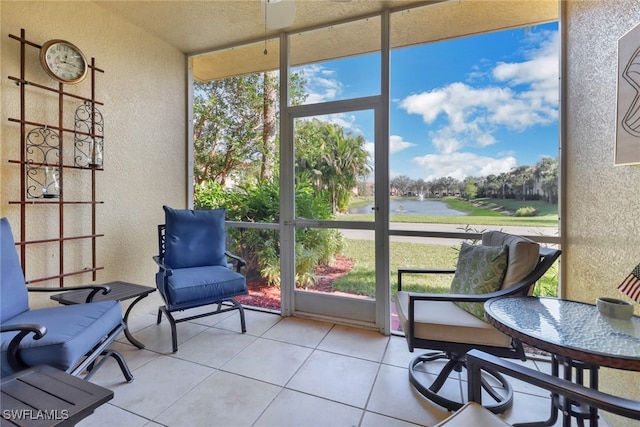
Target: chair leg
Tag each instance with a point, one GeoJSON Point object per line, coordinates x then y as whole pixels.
{"type": "Point", "coordinates": [94, 366]}
{"type": "Point", "coordinates": [504, 400]}
{"type": "Point", "coordinates": [159, 316]}
{"type": "Point", "coordinates": [122, 363]}
{"type": "Point", "coordinates": [172, 323]}
{"type": "Point", "coordinates": [243, 325]}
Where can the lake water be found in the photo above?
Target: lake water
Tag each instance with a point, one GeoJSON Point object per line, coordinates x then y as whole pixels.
{"type": "Point", "coordinates": [414, 207]}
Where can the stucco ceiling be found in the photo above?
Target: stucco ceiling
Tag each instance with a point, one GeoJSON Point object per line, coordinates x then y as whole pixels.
{"type": "Point", "coordinates": [228, 37]}
{"type": "Point", "coordinates": [198, 26]}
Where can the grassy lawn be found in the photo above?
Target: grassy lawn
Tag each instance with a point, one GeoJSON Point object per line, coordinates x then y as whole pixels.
{"type": "Point", "coordinates": [361, 280]}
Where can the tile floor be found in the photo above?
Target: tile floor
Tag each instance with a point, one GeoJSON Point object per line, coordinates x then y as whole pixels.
{"type": "Point", "coordinates": [282, 372]}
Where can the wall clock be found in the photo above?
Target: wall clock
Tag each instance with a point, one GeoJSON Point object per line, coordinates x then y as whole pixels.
{"type": "Point", "coordinates": [63, 61]}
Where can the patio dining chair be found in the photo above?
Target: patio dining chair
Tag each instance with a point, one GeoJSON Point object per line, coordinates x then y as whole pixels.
{"type": "Point", "coordinates": [195, 269]}
{"type": "Point", "coordinates": [72, 338]}
{"type": "Point", "coordinates": [561, 391]}
{"type": "Point", "coordinates": [450, 325]}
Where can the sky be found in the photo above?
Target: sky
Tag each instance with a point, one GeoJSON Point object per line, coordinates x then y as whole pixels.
{"type": "Point", "coordinates": [472, 106]}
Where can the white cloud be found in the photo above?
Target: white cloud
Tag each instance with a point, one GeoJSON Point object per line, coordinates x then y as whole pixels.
{"type": "Point", "coordinates": [322, 83]}
{"type": "Point", "coordinates": [445, 144]}
{"type": "Point", "coordinates": [462, 115]}
{"type": "Point", "coordinates": [429, 105]}
{"type": "Point", "coordinates": [461, 165]}
{"type": "Point", "coordinates": [397, 144]}
{"type": "Point", "coordinates": [370, 148]}
{"type": "Point", "coordinates": [541, 68]}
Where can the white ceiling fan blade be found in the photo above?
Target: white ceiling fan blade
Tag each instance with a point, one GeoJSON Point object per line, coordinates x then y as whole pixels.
{"type": "Point", "coordinates": [278, 13]}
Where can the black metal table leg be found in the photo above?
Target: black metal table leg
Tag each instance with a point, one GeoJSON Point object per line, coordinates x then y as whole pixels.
{"type": "Point", "coordinates": [125, 319]}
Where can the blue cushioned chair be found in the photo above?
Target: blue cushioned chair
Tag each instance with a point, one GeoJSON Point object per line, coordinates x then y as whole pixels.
{"type": "Point", "coordinates": [195, 266]}
{"type": "Point", "coordinates": [71, 338]}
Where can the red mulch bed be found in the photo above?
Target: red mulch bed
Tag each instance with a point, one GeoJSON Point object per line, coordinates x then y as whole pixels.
{"type": "Point", "coordinates": [265, 296]}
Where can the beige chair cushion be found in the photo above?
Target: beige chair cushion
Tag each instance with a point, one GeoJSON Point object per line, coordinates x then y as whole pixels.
{"type": "Point", "coordinates": [523, 254]}
{"type": "Point", "coordinates": [472, 414]}
{"type": "Point", "coordinates": [445, 321]}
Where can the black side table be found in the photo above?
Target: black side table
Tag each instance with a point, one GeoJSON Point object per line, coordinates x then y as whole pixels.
{"type": "Point", "coordinates": [44, 396]}
{"type": "Point", "coordinates": [120, 291]}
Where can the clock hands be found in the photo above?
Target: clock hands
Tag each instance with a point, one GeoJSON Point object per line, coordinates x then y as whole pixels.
{"type": "Point", "coordinates": [74, 65]}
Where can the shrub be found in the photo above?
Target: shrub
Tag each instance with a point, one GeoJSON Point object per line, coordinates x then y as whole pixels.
{"type": "Point", "coordinates": [526, 211]}
{"type": "Point", "coordinates": [547, 285]}
{"type": "Point", "coordinates": [261, 248]}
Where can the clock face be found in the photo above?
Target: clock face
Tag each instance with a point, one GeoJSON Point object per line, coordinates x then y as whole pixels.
{"type": "Point", "coordinates": [63, 61]}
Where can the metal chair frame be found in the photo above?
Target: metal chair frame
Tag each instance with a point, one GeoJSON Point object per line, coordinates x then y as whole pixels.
{"type": "Point", "coordinates": [455, 352]}
{"type": "Point", "coordinates": [227, 304]}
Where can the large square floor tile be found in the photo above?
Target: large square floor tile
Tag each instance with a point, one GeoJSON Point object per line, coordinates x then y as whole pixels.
{"type": "Point", "coordinates": [294, 409]}
{"type": "Point", "coordinates": [397, 352]}
{"type": "Point", "coordinates": [158, 385]}
{"type": "Point", "coordinates": [355, 342]}
{"type": "Point", "coordinates": [394, 396]}
{"type": "Point", "coordinates": [109, 416]}
{"type": "Point", "coordinates": [213, 347]}
{"type": "Point", "coordinates": [336, 377]}
{"type": "Point", "coordinates": [266, 360]}
{"type": "Point", "coordinates": [304, 332]}
{"type": "Point", "coordinates": [222, 399]}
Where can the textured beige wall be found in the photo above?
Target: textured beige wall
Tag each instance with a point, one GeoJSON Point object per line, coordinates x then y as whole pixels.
{"type": "Point", "coordinates": [144, 94]}
{"type": "Point", "coordinates": [602, 223]}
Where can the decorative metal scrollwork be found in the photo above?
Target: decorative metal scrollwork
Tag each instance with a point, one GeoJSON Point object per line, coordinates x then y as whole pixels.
{"type": "Point", "coordinates": [42, 148]}
{"type": "Point", "coordinates": [88, 137]}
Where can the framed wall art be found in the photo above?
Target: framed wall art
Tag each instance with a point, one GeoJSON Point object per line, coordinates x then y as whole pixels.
{"type": "Point", "coordinates": [627, 149]}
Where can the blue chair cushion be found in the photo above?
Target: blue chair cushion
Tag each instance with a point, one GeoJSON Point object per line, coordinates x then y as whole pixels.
{"type": "Point", "coordinates": [194, 238]}
{"type": "Point", "coordinates": [193, 287]}
{"type": "Point", "coordinates": [13, 292]}
{"type": "Point", "coordinates": [71, 331]}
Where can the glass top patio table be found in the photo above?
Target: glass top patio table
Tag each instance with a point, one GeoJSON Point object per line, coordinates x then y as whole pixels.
{"type": "Point", "coordinates": [570, 329]}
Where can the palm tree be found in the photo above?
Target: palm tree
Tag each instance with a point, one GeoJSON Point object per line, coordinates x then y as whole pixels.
{"type": "Point", "coordinates": [492, 185]}
{"type": "Point", "coordinates": [346, 160]}
{"type": "Point", "coordinates": [504, 179]}
{"type": "Point", "coordinates": [332, 159]}
{"type": "Point", "coordinates": [547, 171]}
{"type": "Point", "coordinates": [523, 176]}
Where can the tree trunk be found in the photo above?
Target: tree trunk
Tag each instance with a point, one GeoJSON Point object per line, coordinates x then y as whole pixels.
{"type": "Point", "coordinates": [269, 125]}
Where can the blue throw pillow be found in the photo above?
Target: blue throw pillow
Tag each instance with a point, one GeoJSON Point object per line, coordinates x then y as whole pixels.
{"type": "Point", "coordinates": [194, 238]}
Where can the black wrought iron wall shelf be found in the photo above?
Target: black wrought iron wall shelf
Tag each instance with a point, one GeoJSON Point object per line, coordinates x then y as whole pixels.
{"type": "Point", "coordinates": [42, 148]}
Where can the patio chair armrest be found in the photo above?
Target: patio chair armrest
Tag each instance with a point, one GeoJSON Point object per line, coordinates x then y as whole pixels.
{"type": "Point", "coordinates": [94, 290]}
{"type": "Point", "coordinates": [38, 330]}
{"type": "Point", "coordinates": [238, 261]}
{"type": "Point", "coordinates": [408, 270]}
{"type": "Point", "coordinates": [454, 297]}
{"type": "Point", "coordinates": [24, 329]}
{"type": "Point", "coordinates": [165, 268]}
{"type": "Point", "coordinates": [478, 360]}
